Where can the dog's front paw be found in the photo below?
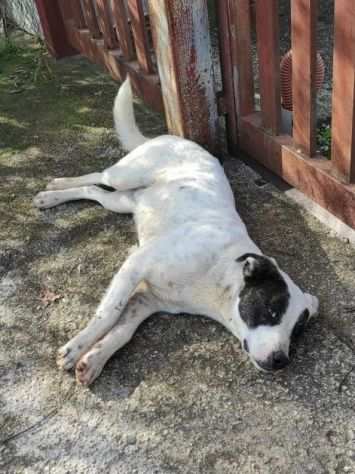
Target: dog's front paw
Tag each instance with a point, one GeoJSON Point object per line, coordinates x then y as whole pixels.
{"type": "Point", "coordinates": [45, 200]}
{"type": "Point", "coordinates": [89, 368]}
{"type": "Point", "coordinates": [68, 355]}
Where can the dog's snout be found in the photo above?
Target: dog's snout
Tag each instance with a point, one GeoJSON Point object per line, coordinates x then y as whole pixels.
{"type": "Point", "coordinates": [279, 360]}
{"type": "Point", "coordinates": [276, 361]}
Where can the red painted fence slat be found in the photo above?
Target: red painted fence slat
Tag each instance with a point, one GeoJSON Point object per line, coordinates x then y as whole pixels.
{"type": "Point", "coordinates": [52, 17]}
{"type": "Point", "coordinates": [90, 18]}
{"type": "Point", "coordinates": [140, 35]}
{"type": "Point", "coordinates": [304, 70]}
{"type": "Point", "coordinates": [105, 23]}
{"type": "Point", "coordinates": [267, 28]}
{"type": "Point", "coordinates": [225, 41]}
{"type": "Point", "coordinates": [343, 113]}
{"type": "Point", "coordinates": [236, 59]}
{"type": "Point", "coordinates": [78, 14]}
{"type": "Point", "coordinates": [120, 14]}
{"type": "Point", "coordinates": [240, 20]}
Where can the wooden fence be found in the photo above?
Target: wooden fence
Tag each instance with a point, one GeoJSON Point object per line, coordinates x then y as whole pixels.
{"type": "Point", "coordinates": [167, 52]}
{"type": "Point", "coordinates": [117, 35]}
{"type": "Point", "coordinates": [328, 182]}
{"type": "Point", "coordinates": [156, 49]}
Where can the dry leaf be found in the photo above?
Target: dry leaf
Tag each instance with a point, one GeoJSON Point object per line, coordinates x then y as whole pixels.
{"type": "Point", "coordinates": [47, 297]}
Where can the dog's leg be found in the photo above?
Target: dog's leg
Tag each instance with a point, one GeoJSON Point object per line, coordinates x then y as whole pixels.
{"type": "Point", "coordinates": [113, 201]}
{"type": "Point", "coordinates": [130, 275]}
{"type": "Point", "coordinates": [140, 307]}
{"type": "Point", "coordinates": [138, 169]}
{"type": "Point", "coordinates": [131, 172]}
{"type": "Point", "coordinates": [125, 175]}
{"type": "Point", "coordinates": [66, 183]}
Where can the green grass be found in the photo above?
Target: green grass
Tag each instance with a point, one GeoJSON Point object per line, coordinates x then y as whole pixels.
{"type": "Point", "coordinates": [324, 138]}
{"type": "Point", "coordinates": [41, 98]}
{"type": "Point", "coordinates": [8, 50]}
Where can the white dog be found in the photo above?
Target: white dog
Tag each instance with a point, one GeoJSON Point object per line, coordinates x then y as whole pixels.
{"type": "Point", "coordinates": [194, 255]}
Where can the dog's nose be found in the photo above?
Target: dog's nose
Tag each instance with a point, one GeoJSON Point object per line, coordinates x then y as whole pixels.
{"type": "Point", "coordinates": [276, 361]}
{"type": "Point", "coordinates": [279, 360]}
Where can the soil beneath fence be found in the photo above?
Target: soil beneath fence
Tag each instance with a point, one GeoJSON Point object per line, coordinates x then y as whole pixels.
{"type": "Point", "coordinates": [181, 397]}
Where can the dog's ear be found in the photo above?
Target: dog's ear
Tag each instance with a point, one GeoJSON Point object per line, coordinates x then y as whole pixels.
{"type": "Point", "coordinates": [257, 267]}
{"type": "Point", "coordinates": [312, 304]}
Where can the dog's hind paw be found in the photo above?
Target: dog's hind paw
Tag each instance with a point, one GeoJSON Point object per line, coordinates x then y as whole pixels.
{"type": "Point", "coordinates": [45, 200]}
{"type": "Point", "coordinates": [89, 368]}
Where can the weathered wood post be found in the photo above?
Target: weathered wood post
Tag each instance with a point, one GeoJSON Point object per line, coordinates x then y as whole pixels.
{"type": "Point", "coordinates": [53, 27]}
{"type": "Point", "coordinates": [183, 49]}
{"type": "Point", "coordinates": [304, 73]}
{"type": "Point", "coordinates": [267, 32]}
{"type": "Point", "coordinates": [343, 113]}
{"type": "Point", "coordinates": [234, 30]}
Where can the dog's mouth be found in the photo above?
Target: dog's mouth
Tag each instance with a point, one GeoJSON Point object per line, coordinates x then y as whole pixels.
{"type": "Point", "coordinates": [275, 362]}
{"type": "Point", "coordinates": [259, 368]}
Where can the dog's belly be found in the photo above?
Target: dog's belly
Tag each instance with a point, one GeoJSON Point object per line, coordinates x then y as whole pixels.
{"type": "Point", "coordinates": [188, 217]}
{"type": "Point", "coordinates": [164, 207]}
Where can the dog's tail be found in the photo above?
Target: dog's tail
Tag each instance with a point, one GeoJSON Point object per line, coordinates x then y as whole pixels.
{"type": "Point", "coordinates": [125, 123]}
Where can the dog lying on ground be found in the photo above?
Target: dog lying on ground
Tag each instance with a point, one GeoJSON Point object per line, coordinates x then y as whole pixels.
{"type": "Point", "coordinates": [194, 256]}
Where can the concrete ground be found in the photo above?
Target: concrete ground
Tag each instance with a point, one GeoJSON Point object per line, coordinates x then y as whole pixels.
{"type": "Point", "coordinates": [181, 397]}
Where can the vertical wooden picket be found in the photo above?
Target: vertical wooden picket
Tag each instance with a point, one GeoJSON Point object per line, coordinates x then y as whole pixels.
{"type": "Point", "coordinates": [343, 113]}
{"type": "Point", "coordinates": [53, 26]}
{"type": "Point", "coordinates": [106, 26]}
{"type": "Point", "coordinates": [136, 12]}
{"type": "Point", "coordinates": [91, 19]}
{"type": "Point", "coordinates": [78, 16]}
{"type": "Point", "coordinates": [120, 14]}
{"type": "Point", "coordinates": [267, 29]}
{"type": "Point", "coordinates": [304, 69]}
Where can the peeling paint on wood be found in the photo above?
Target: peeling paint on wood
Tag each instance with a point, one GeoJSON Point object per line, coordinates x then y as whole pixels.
{"type": "Point", "coordinates": [183, 49]}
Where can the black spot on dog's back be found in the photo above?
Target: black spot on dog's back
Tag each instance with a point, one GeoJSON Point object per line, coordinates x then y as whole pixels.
{"type": "Point", "coordinates": [265, 297]}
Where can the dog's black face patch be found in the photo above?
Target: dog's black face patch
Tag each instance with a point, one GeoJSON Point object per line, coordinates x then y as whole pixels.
{"type": "Point", "coordinates": [265, 297]}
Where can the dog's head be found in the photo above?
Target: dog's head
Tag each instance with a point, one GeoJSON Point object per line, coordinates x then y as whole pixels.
{"type": "Point", "coordinates": [270, 312]}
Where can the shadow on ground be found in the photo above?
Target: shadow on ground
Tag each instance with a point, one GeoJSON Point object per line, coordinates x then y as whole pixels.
{"type": "Point", "coordinates": [181, 397]}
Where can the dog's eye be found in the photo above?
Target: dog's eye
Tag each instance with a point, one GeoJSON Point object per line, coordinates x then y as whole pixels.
{"type": "Point", "coordinates": [245, 345]}
{"type": "Point", "coordinates": [300, 325]}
